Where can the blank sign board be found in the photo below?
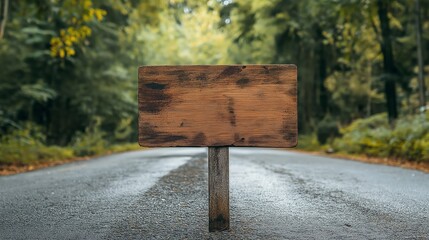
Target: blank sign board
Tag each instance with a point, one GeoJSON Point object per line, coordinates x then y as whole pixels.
{"type": "Point", "coordinates": [219, 105]}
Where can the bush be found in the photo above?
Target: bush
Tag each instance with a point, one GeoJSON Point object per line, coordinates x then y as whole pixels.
{"type": "Point", "coordinates": [327, 130]}
{"type": "Point", "coordinates": [90, 142]}
{"type": "Point", "coordinates": [408, 140]}
{"type": "Point", "coordinates": [25, 145]}
{"type": "Point", "coordinates": [54, 153]}
{"type": "Point", "coordinates": [308, 142]}
{"type": "Point", "coordinates": [125, 147]}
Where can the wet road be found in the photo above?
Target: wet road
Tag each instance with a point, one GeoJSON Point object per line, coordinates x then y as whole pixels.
{"type": "Point", "coordinates": [162, 194]}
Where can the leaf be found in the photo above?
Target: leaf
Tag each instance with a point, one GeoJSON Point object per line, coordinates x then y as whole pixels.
{"type": "Point", "coordinates": [39, 92]}
{"type": "Point", "coordinates": [36, 30]}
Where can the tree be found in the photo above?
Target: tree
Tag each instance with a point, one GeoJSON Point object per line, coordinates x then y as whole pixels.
{"type": "Point", "coordinates": [64, 68]}
{"type": "Point", "coordinates": [390, 70]}
{"type": "Point", "coordinates": [179, 39]}
{"type": "Point", "coordinates": [3, 18]}
{"type": "Point", "coordinates": [422, 87]}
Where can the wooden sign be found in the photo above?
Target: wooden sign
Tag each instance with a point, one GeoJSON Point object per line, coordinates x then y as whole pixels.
{"type": "Point", "coordinates": [233, 105]}
{"type": "Point", "coordinates": [218, 107]}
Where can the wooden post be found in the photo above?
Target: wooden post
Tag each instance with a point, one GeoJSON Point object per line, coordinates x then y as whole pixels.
{"type": "Point", "coordinates": [218, 159]}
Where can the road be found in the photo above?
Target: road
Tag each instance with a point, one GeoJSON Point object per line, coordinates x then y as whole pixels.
{"type": "Point", "coordinates": [162, 194]}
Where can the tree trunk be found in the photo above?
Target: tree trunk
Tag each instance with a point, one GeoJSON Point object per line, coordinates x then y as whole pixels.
{"type": "Point", "coordinates": [422, 87]}
{"type": "Point", "coordinates": [390, 71]}
{"type": "Point", "coordinates": [323, 93]}
{"type": "Point", "coordinates": [3, 18]}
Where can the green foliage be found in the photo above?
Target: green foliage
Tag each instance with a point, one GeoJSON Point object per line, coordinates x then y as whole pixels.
{"type": "Point", "coordinates": [123, 130]}
{"type": "Point", "coordinates": [327, 130]}
{"type": "Point", "coordinates": [63, 64]}
{"type": "Point", "coordinates": [373, 122]}
{"type": "Point", "coordinates": [91, 141]}
{"type": "Point", "coordinates": [358, 137]}
{"type": "Point", "coordinates": [186, 41]}
{"type": "Point", "coordinates": [374, 137]}
{"type": "Point", "coordinates": [25, 146]}
{"type": "Point", "coordinates": [124, 147]}
{"type": "Point", "coordinates": [308, 142]}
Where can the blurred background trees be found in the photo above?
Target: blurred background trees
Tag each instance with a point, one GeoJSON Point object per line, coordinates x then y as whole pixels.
{"type": "Point", "coordinates": [69, 67]}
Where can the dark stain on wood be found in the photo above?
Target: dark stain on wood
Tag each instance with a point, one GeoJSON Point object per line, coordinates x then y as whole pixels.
{"type": "Point", "coordinates": [228, 71]}
{"type": "Point", "coordinates": [291, 91]}
{"type": "Point", "coordinates": [181, 75]}
{"type": "Point", "coordinates": [290, 136]}
{"type": "Point", "coordinates": [152, 72]}
{"type": "Point", "coordinates": [237, 139]}
{"type": "Point", "coordinates": [231, 111]}
{"type": "Point", "coordinates": [266, 70]}
{"type": "Point", "coordinates": [273, 80]}
{"type": "Point", "coordinates": [289, 131]}
{"type": "Point", "coordinates": [173, 138]}
{"type": "Point", "coordinates": [220, 218]}
{"type": "Point", "coordinates": [148, 132]}
{"type": "Point", "coordinates": [242, 82]}
{"type": "Point", "coordinates": [155, 86]}
{"type": "Point", "coordinates": [219, 144]}
{"type": "Point", "coordinates": [199, 139]}
{"type": "Point", "coordinates": [202, 77]}
{"type": "Point", "coordinates": [219, 223]}
{"type": "Point", "coordinates": [276, 74]}
{"type": "Point", "coordinates": [154, 94]}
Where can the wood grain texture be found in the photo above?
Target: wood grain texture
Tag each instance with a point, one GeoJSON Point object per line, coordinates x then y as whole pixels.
{"type": "Point", "coordinates": [218, 159]}
{"type": "Point", "coordinates": [229, 105]}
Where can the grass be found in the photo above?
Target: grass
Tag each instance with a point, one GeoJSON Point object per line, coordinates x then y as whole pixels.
{"type": "Point", "coordinates": [16, 159]}
{"type": "Point", "coordinates": [374, 140]}
{"type": "Point", "coordinates": [25, 146]}
{"type": "Point", "coordinates": [308, 142]}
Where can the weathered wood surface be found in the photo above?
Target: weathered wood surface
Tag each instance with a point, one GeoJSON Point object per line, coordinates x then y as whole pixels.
{"type": "Point", "coordinates": [237, 105]}
{"type": "Point", "coordinates": [218, 188]}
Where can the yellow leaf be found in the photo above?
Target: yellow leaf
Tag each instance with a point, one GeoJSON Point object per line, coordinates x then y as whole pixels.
{"type": "Point", "coordinates": [62, 53]}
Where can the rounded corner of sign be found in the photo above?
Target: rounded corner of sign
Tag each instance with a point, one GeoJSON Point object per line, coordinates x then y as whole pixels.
{"type": "Point", "coordinates": [142, 69]}
{"type": "Point", "coordinates": [294, 144]}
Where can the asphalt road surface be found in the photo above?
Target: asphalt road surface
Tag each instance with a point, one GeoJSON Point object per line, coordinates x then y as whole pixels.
{"type": "Point", "coordinates": [162, 194]}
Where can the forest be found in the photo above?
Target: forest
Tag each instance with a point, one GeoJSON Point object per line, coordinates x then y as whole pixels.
{"type": "Point", "coordinates": [68, 79]}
